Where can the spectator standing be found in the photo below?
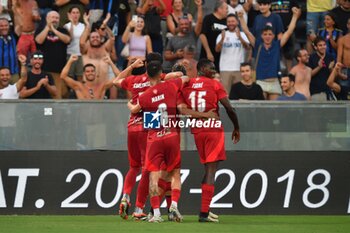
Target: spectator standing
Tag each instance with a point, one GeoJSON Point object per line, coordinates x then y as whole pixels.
{"type": "Point", "coordinates": [267, 18]}
{"type": "Point", "coordinates": [174, 17]}
{"type": "Point", "coordinates": [40, 85]}
{"type": "Point", "coordinates": [152, 9]}
{"type": "Point", "coordinates": [65, 5]}
{"type": "Point", "coordinates": [321, 64]}
{"type": "Point", "coordinates": [234, 7]}
{"type": "Point", "coordinates": [121, 20]}
{"type": "Point", "coordinates": [246, 89]}
{"type": "Point", "coordinates": [289, 93]}
{"type": "Point", "coordinates": [213, 24]}
{"type": "Point", "coordinates": [284, 10]}
{"type": "Point", "coordinates": [316, 10]}
{"type": "Point", "coordinates": [331, 34]}
{"type": "Point", "coordinates": [187, 36]}
{"type": "Point", "coordinates": [26, 14]}
{"type": "Point", "coordinates": [342, 13]}
{"type": "Point", "coordinates": [268, 55]}
{"type": "Point", "coordinates": [139, 43]}
{"type": "Point", "coordinates": [231, 44]}
{"type": "Point", "coordinates": [8, 49]}
{"type": "Point", "coordinates": [343, 56]}
{"type": "Point", "coordinates": [45, 6]}
{"type": "Point", "coordinates": [302, 73]}
{"type": "Point", "coordinates": [52, 40]}
{"type": "Point", "coordinates": [94, 50]}
{"type": "Point", "coordinates": [75, 29]}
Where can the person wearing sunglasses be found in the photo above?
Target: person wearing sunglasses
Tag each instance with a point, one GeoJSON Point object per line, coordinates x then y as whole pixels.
{"type": "Point", "coordinates": [40, 84]}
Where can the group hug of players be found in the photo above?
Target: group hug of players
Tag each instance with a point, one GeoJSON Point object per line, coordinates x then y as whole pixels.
{"type": "Point", "coordinates": [156, 152]}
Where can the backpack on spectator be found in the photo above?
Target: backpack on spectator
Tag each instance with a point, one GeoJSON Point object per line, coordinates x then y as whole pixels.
{"type": "Point", "coordinates": [255, 64]}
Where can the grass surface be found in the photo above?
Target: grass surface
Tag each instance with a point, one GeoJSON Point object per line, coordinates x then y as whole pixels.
{"type": "Point", "coordinates": [228, 223]}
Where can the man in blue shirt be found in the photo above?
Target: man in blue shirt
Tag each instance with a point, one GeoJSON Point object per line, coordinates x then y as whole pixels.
{"type": "Point", "coordinates": [289, 93]}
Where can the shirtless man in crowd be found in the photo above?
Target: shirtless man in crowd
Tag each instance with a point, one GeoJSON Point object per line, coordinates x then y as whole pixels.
{"type": "Point", "coordinates": [302, 73]}
{"type": "Point", "coordinates": [89, 89]}
{"type": "Point", "coordinates": [93, 51]}
{"type": "Point", "coordinates": [344, 54]}
{"type": "Point", "coordinates": [26, 13]}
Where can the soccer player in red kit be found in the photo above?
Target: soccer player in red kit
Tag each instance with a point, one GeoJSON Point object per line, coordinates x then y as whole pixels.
{"type": "Point", "coordinates": [163, 143]}
{"type": "Point", "coordinates": [136, 85]}
{"type": "Point", "coordinates": [203, 94]}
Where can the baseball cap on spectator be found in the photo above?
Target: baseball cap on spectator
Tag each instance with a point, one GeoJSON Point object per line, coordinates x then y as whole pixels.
{"type": "Point", "coordinates": [38, 54]}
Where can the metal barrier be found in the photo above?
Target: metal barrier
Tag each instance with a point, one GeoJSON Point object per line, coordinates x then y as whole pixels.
{"type": "Point", "coordinates": [101, 125]}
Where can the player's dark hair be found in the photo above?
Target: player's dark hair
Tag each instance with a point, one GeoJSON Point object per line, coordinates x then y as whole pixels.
{"type": "Point", "coordinates": [179, 67]}
{"type": "Point", "coordinates": [154, 68]}
{"type": "Point", "coordinates": [89, 65]}
{"type": "Point", "coordinates": [154, 56]}
{"type": "Point", "coordinates": [203, 62]}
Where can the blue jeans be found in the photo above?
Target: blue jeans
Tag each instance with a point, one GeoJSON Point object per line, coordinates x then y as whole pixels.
{"type": "Point", "coordinates": [314, 20]}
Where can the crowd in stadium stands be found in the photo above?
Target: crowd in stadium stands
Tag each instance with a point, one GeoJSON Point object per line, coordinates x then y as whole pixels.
{"type": "Point", "coordinates": [76, 48]}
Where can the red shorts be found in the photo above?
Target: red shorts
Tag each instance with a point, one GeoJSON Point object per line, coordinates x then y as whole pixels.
{"type": "Point", "coordinates": [210, 146]}
{"type": "Point", "coordinates": [163, 151]}
{"type": "Point", "coordinates": [26, 44]}
{"type": "Point", "coordinates": [137, 142]}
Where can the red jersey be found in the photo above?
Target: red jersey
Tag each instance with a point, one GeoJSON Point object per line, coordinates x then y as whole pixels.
{"type": "Point", "coordinates": [136, 84]}
{"type": "Point", "coordinates": [203, 94]}
{"type": "Point", "coordinates": [162, 97]}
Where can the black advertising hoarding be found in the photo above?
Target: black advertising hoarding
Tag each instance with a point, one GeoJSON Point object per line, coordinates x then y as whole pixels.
{"type": "Point", "coordinates": [72, 182]}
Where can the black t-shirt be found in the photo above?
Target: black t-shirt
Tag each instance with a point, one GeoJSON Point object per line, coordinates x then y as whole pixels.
{"type": "Point", "coordinates": [45, 3]}
{"type": "Point", "coordinates": [247, 92]}
{"type": "Point", "coordinates": [318, 83]}
{"type": "Point", "coordinates": [55, 51]}
{"type": "Point", "coordinates": [212, 27]}
{"type": "Point", "coordinates": [33, 80]}
{"type": "Point", "coordinates": [284, 9]}
{"type": "Point", "coordinates": [341, 18]}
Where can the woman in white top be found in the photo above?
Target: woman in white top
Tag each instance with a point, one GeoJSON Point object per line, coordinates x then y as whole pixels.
{"type": "Point", "coordinates": [139, 43]}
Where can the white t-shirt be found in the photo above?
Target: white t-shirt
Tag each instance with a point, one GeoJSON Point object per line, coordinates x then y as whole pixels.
{"type": "Point", "coordinates": [237, 9]}
{"type": "Point", "coordinates": [232, 51]}
{"type": "Point", "coordinates": [73, 47]}
{"type": "Point", "coordinates": [9, 92]}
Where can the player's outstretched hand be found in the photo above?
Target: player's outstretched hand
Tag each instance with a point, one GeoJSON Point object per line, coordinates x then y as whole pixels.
{"type": "Point", "coordinates": [236, 136]}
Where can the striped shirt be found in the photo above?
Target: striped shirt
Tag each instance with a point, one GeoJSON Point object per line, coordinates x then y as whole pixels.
{"type": "Point", "coordinates": [8, 55]}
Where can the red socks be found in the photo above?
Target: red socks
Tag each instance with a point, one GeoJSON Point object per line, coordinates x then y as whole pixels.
{"type": "Point", "coordinates": [175, 195]}
{"type": "Point", "coordinates": [142, 190]}
{"type": "Point", "coordinates": [130, 180]}
{"type": "Point", "coordinates": [155, 203]}
{"type": "Point", "coordinates": [207, 195]}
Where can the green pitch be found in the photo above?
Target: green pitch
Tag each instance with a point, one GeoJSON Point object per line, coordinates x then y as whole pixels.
{"type": "Point", "coordinates": [228, 223]}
